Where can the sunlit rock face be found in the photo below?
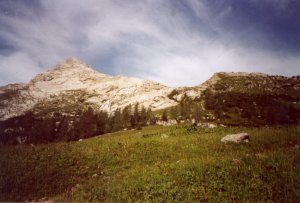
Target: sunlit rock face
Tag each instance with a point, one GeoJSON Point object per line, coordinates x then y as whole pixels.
{"type": "Point", "coordinates": [73, 85]}
{"type": "Point", "coordinates": [75, 82]}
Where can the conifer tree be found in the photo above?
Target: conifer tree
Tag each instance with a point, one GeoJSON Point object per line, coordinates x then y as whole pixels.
{"type": "Point", "coordinates": [117, 121]}
{"type": "Point", "coordinates": [143, 116]}
{"type": "Point", "coordinates": [126, 116]}
{"type": "Point", "coordinates": [174, 112]}
{"type": "Point", "coordinates": [151, 117]}
{"type": "Point", "coordinates": [164, 116]}
{"type": "Point", "coordinates": [196, 113]}
{"type": "Point", "coordinates": [135, 118]}
{"type": "Point", "coordinates": [102, 122]}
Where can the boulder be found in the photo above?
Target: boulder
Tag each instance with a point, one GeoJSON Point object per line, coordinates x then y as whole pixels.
{"type": "Point", "coordinates": [164, 136]}
{"type": "Point", "coordinates": [206, 125]}
{"type": "Point", "coordinates": [21, 140]}
{"type": "Point", "coordinates": [236, 138]}
{"type": "Point", "coordinates": [166, 123]}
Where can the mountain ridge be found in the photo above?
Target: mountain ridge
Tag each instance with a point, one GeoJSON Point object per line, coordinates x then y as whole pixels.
{"type": "Point", "coordinates": [72, 101]}
{"type": "Point", "coordinates": [108, 93]}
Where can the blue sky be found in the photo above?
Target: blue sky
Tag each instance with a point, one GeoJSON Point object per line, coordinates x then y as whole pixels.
{"type": "Point", "coordinates": [174, 42]}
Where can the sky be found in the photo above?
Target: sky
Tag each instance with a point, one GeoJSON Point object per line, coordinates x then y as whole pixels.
{"type": "Point", "coordinates": [174, 42]}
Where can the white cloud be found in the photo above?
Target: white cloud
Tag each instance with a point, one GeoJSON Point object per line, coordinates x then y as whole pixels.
{"type": "Point", "coordinates": [148, 39]}
{"type": "Point", "coordinates": [26, 68]}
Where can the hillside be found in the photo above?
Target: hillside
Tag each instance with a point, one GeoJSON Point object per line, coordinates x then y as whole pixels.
{"type": "Point", "coordinates": [157, 164]}
{"type": "Point", "coordinates": [254, 99]}
{"type": "Point", "coordinates": [247, 99]}
{"type": "Point", "coordinates": [61, 99]}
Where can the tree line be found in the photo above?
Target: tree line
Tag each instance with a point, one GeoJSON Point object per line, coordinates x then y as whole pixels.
{"type": "Point", "coordinates": [83, 124]}
{"type": "Point", "coordinates": [235, 108]}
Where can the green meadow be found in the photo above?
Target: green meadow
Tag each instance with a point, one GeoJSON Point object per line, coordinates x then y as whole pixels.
{"type": "Point", "coordinates": [157, 164]}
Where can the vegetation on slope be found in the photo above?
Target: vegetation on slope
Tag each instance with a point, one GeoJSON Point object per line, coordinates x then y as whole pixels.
{"type": "Point", "coordinates": [236, 108]}
{"type": "Point", "coordinates": [231, 99]}
{"type": "Point", "coordinates": [157, 164]}
{"type": "Point", "coordinates": [79, 123]}
{"type": "Point", "coordinates": [240, 99]}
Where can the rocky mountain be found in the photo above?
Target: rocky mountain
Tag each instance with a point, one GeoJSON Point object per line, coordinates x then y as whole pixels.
{"type": "Point", "coordinates": [73, 84]}
{"type": "Point", "coordinates": [74, 101]}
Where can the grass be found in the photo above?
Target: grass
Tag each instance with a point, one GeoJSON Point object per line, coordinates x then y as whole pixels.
{"type": "Point", "coordinates": [158, 164]}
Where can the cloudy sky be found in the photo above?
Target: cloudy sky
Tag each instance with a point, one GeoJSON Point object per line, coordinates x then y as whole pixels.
{"type": "Point", "coordinates": [175, 42]}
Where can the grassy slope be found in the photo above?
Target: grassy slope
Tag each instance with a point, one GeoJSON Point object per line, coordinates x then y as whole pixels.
{"type": "Point", "coordinates": [141, 165]}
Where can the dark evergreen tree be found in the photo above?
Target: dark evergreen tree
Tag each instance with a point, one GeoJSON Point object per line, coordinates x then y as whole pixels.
{"type": "Point", "coordinates": [174, 112]}
{"type": "Point", "coordinates": [126, 116]}
{"type": "Point", "coordinates": [135, 117]}
{"type": "Point", "coordinates": [102, 122]}
{"type": "Point", "coordinates": [86, 125]}
{"type": "Point", "coordinates": [136, 113]}
{"type": "Point", "coordinates": [164, 116]}
{"type": "Point", "coordinates": [151, 117]}
{"type": "Point", "coordinates": [143, 116]}
{"type": "Point", "coordinates": [116, 121]}
{"type": "Point", "coordinates": [42, 131]}
{"type": "Point", "coordinates": [196, 113]}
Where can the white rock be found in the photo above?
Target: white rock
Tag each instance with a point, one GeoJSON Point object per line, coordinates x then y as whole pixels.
{"type": "Point", "coordinates": [166, 123]}
{"type": "Point", "coordinates": [206, 125]}
{"type": "Point", "coordinates": [236, 138]}
{"type": "Point", "coordinates": [21, 140]}
{"type": "Point", "coordinates": [164, 136]}
{"type": "Point", "coordinates": [105, 91]}
{"type": "Point", "coordinates": [211, 125]}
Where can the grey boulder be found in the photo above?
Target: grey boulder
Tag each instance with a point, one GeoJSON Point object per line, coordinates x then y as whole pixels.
{"type": "Point", "coordinates": [236, 138]}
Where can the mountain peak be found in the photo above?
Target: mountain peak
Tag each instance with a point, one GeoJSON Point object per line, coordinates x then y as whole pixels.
{"type": "Point", "coordinates": [73, 60]}
{"type": "Point", "coordinates": [72, 63]}
{"type": "Point", "coordinates": [70, 68]}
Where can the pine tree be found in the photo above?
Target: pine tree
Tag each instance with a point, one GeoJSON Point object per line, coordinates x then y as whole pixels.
{"type": "Point", "coordinates": [197, 113]}
{"type": "Point", "coordinates": [102, 122]}
{"type": "Point", "coordinates": [117, 121]}
{"type": "Point", "coordinates": [136, 113]}
{"type": "Point", "coordinates": [86, 126]}
{"type": "Point", "coordinates": [151, 117]}
{"type": "Point", "coordinates": [126, 116]}
{"type": "Point", "coordinates": [135, 118]}
{"type": "Point", "coordinates": [143, 116]}
{"type": "Point", "coordinates": [174, 112]}
{"type": "Point", "coordinates": [164, 116]}
{"type": "Point", "coordinates": [41, 131]}
{"type": "Point", "coordinates": [63, 129]}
